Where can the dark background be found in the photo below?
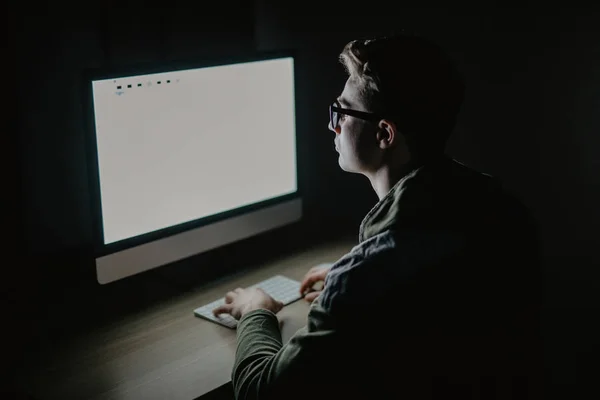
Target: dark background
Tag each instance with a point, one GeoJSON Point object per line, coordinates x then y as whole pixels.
{"type": "Point", "coordinates": [531, 117]}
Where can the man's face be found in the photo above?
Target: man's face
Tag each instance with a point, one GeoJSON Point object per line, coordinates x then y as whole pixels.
{"type": "Point", "coordinates": [355, 139]}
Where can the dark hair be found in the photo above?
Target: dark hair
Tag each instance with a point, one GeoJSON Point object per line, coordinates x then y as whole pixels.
{"type": "Point", "coordinates": [411, 81]}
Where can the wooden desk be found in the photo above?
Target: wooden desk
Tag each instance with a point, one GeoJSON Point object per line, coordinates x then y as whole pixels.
{"type": "Point", "coordinates": [166, 352]}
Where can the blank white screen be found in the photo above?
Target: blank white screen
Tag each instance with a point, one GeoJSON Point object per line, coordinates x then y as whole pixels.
{"type": "Point", "coordinates": [208, 141]}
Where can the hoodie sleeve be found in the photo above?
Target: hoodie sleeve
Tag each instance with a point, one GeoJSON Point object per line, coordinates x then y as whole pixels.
{"type": "Point", "coordinates": [265, 368]}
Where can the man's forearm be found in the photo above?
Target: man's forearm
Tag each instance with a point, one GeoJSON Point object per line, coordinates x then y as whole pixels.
{"type": "Point", "coordinates": [259, 339]}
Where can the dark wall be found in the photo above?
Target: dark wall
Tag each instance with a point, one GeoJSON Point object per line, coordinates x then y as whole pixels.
{"type": "Point", "coordinates": [530, 118]}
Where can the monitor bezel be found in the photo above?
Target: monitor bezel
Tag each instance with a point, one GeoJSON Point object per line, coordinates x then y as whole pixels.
{"type": "Point", "coordinates": [111, 72]}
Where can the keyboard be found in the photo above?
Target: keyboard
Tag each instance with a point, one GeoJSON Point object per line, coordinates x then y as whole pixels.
{"type": "Point", "coordinates": [279, 287]}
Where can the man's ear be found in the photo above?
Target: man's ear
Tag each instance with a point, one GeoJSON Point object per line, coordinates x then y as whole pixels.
{"type": "Point", "coordinates": [387, 134]}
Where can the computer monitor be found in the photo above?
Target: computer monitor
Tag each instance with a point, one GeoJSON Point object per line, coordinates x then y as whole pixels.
{"type": "Point", "coordinates": [187, 158]}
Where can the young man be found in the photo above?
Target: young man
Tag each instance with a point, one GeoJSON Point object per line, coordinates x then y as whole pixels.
{"type": "Point", "coordinates": [435, 300]}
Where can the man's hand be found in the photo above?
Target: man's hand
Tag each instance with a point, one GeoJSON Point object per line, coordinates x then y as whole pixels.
{"type": "Point", "coordinates": [241, 301]}
{"type": "Point", "coordinates": [313, 276]}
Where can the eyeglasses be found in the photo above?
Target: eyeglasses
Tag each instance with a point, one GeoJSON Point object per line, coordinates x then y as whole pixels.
{"type": "Point", "coordinates": [335, 110]}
